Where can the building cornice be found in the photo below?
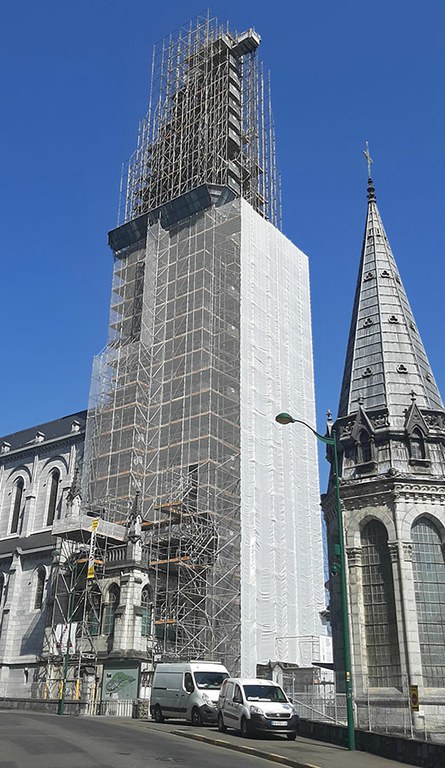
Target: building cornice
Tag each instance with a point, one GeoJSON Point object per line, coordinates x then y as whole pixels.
{"type": "Point", "coordinates": [44, 447]}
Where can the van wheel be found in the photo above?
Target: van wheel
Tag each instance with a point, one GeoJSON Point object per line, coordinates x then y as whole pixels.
{"type": "Point", "coordinates": [157, 714]}
{"type": "Point", "coordinates": [221, 727]}
{"type": "Point", "coordinates": [291, 736]}
{"type": "Point", "coordinates": [196, 716]}
{"type": "Point", "coordinates": [246, 729]}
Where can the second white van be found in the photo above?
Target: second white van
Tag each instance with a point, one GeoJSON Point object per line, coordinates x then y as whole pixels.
{"type": "Point", "coordinates": [187, 690]}
{"type": "Point", "coordinates": [256, 706]}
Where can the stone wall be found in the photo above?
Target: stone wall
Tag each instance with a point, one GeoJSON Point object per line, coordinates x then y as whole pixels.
{"type": "Point", "coordinates": [411, 751]}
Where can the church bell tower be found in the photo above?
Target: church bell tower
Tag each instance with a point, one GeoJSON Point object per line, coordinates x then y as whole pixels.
{"type": "Point", "coordinates": [390, 431]}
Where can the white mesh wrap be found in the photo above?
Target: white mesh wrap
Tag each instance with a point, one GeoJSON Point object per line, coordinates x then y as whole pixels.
{"type": "Point", "coordinates": [281, 540]}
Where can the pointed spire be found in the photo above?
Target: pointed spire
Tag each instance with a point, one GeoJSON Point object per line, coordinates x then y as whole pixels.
{"type": "Point", "coordinates": [329, 423]}
{"type": "Point", "coordinates": [74, 490]}
{"type": "Point", "coordinates": [386, 361]}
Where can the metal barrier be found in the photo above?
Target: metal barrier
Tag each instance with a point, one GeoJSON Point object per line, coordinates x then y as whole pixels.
{"type": "Point", "coordinates": [115, 708]}
{"type": "Point", "coordinates": [393, 717]}
{"type": "Point", "coordinates": [329, 709]}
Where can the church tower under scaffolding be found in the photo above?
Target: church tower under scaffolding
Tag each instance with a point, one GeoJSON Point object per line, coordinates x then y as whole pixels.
{"type": "Point", "coordinates": [209, 336]}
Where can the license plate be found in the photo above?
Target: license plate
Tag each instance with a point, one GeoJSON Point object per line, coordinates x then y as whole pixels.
{"type": "Point", "coordinates": [278, 722]}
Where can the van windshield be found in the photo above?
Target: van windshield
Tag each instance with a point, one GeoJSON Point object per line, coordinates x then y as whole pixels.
{"type": "Point", "coordinates": [210, 680]}
{"type": "Point", "coordinates": [264, 693]}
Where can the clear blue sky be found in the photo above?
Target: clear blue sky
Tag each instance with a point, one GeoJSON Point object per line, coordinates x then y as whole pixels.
{"type": "Point", "coordinates": [75, 83]}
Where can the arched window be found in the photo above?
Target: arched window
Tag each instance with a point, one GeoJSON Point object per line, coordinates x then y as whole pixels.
{"type": "Point", "coordinates": [40, 586]}
{"type": "Point", "coordinates": [94, 610]}
{"type": "Point", "coordinates": [429, 585]}
{"type": "Point", "coordinates": [363, 448]}
{"type": "Point", "coordinates": [110, 610]}
{"type": "Point", "coordinates": [17, 498]}
{"type": "Point", "coordinates": [147, 612]}
{"type": "Point", "coordinates": [417, 444]}
{"type": "Point", "coordinates": [382, 644]}
{"type": "Point", "coordinates": [52, 497]}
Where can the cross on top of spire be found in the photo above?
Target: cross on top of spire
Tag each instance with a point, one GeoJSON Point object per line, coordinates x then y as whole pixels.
{"type": "Point", "coordinates": [371, 190]}
{"type": "Point", "coordinates": [368, 158]}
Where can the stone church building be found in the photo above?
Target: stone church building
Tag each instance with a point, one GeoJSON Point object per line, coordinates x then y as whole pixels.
{"type": "Point", "coordinates": [37, 469]}
{"type": "Point", "coordinates": [390, 431]}
{"type": "Point", "coordinates": [181, 534]}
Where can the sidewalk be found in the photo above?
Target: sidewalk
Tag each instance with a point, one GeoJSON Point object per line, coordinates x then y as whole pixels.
{"type": "Point", "coordinates": [303, 753]}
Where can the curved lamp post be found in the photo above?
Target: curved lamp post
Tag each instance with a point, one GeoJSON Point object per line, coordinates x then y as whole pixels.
{"type": "Point", "coordinates": [337, 568]}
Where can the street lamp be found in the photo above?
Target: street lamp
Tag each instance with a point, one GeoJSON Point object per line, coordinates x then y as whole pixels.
{"type": "Point", "coordinates": [286, 418]}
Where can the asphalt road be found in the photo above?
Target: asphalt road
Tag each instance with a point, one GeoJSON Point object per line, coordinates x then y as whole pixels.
{"type": "Point", "coordinates": [34, 740]}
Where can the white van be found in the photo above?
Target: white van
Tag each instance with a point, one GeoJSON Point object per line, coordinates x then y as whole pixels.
{"type": "Point", "coordinates": [256, 706]}
{"type": "Point", "coordinates": [187, 690]}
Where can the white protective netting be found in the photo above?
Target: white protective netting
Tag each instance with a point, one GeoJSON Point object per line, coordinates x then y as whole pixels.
{"type": "Point", "coordinates": [281, 537]}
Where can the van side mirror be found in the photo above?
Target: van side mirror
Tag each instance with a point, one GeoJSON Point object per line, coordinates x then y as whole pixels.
{"type": "Point", "coordinates": [188, 683]}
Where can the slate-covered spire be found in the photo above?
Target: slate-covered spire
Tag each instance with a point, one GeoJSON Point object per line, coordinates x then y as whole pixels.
{"type": "Point", "coordinates": [385, 360]}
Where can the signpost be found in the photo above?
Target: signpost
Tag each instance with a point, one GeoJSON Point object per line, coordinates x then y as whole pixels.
{"type": "Point", "coordinates": [414, 698]}
{"type": "Point", "coordinates": [90, 572]}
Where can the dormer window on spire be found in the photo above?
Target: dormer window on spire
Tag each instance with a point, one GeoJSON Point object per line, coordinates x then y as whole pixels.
{"type": "Point", "coordinates": [363, 452]}
{"type": "Point", "coordinates": [417, 445]}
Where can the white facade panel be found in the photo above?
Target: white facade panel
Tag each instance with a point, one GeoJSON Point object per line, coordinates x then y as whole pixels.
{"type": "Point", "coordinates": [281, 538]}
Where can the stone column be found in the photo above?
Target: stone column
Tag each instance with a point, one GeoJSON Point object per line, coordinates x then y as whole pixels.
{"type": "Point", "coordinates": [358, 641]}
{"type": "Point", "coordinates": [411, 663]}
{"type": "Point", "coordinates": [127, 629]}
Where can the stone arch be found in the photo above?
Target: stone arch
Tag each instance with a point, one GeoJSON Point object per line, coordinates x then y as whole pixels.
{"type": "Point", "coordinates": [56, 461]}
{"type": "Point", "coordinates": [439, 525]}
{"type": "Point", "coordinates": [358, 519]}
{"type": "Point", "coordinates": [20, 470]}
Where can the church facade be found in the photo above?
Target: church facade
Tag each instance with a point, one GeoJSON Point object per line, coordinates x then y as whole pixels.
{"type": "Point", "coordinates": [37, 470]}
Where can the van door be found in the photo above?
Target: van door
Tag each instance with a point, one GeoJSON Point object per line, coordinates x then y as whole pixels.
{"type": "Point", "coordinates": [170, 704]}
{"type": "Point", "coordinates": [232, 706]}
{"type": "Point", "coordinates": [188, 688]}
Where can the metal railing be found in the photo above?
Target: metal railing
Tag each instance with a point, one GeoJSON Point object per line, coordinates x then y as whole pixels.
{"type": "Point", "coordinates": [324, 709]}
{"type": "Point", "coordinates": [115, 708]}
{"type": "Point", "coordinates": [394, 718]}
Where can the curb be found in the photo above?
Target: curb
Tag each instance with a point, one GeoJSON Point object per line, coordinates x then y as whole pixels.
{"type": "Point", "coordinates": [247, 750]}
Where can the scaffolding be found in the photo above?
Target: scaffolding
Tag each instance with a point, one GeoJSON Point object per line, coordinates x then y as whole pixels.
{"type": "Point", "coordinates": [164, 425]}
{"type": "Point", "coordinates": [195, 574]}
{"type": "Point", "coordinates": [209, 120]}
{"type": "Point", "coordinates": [73, 636]}
{"type": "Point", "coordinates": [163, 422]}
